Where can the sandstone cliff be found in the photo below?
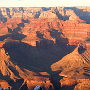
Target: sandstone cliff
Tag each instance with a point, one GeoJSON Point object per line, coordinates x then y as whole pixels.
{"type": "Point", "coordinates": [36, 39]}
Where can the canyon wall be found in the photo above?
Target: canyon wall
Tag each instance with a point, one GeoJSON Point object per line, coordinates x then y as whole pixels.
{"type": "Point", "coordinates": [44, 34]}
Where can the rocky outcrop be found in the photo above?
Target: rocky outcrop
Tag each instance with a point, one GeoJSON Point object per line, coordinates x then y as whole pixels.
{"type": "Point", "coordinates": [83, 86]}
{"type": "Point", "coordinates": [48, 24]}
{"type": "Point", "coordinates": [5, 84]}
{"type": "Point", "coordinates": [5, 64]}
{"type": "Point", "coordinates": [15, 73]}
{"type": "Point", "coordinates": [73, 16]}
{"type": "Point", "coordinates": [46, 84]}
{"type": "Point", "coordinates": [47, 14]}
{"type": "Point", "coordinates": [56, 31]}
{"type": "Point", "coordinates": [40, 34]}
{"type": "Point", "coordinates": [72, 67]}
{"type": "Point", "coordinates": [75, 32]}
{"type": "Point", "coordinates": [71, 82]}
{"type": "Point", "coordinates": [3, 30]}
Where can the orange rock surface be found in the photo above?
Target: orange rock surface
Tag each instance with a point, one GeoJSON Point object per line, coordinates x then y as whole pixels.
{"type": "Point", "coordinates": [40, 45]}
{"type": "Point", "coordinates": [83, 86]}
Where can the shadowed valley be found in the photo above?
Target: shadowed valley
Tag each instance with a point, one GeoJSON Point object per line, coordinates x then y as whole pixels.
{"type": "Point", "coordinates": [44, 46]}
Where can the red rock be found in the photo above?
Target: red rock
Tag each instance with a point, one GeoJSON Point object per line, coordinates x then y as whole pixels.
{"type": "Point", "coordinates": [18, 21]}
{"type": "Point", "coordinates": [9, 25]}
{"type": "Point", "coordinates": [46, 33]}
{"type": "Point", "coordinates": [47, 85]}
{"type": "Point", "coordinates": [87, 45]}
{"type": "Point", "coordinates": [4, 84]}
{"type": "Point", "coordinates": [67, 82]}
{"type": "Point", "coordinates": [4, 30]}
{"type": "Point", "coordinates": [14, 25]}
{"type": "Point", "coordinates": [1, 43]}
{"type": "Point", "coordinates": [83, 86]}
{"type": "Point", "coordinates": [75, 32]}
{"type": "Point", "coordinates": [70, 32]}
{"type": "Point", "coordinates": [47, 14]}
{"type": "Point", "coordinates": [31, 43]}
{"type": "Point", "coordinates": [70, 82]}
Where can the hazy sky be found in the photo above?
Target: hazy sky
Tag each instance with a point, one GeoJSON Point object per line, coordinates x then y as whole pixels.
{"type": "Point", "coordinates": [43, 3]}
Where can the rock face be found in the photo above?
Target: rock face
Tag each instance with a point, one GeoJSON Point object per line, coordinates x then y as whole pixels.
{"type": "Point", "coordinates": [47, 21]}
{"type": "Point", "coordinates": [73, 67]}
{"type": "Point", "coordinates": [47, 14]}
{"type": "Point", "coordinates": [83, 86]}
{"type": "Point", "coordinates": [4, 84]}
{"type": "Point", "coordinates": [72, 15]}
{"type": "Point", "coordinates": [75, 32]}
{"type": "Point", "coordinates": [8, 69]}
{"type": "Point", "coordinates": [33, 40]}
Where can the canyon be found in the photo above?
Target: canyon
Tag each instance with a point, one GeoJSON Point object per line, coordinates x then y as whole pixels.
{"type": "Point", "coordinates": [46, 46]}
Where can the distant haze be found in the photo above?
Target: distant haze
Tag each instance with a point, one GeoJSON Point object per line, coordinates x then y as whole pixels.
{"type": "Point", "coordinates": [43, 3]}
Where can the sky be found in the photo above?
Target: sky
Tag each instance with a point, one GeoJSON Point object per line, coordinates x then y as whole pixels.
{"type": "Point", "coordinates": [43, 3]}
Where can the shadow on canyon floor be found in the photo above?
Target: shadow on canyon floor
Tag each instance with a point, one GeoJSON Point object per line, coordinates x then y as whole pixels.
{"type": "Point", "coordinates": [13, 33]}
{"type": "Point", "coordinates": [39, 59]}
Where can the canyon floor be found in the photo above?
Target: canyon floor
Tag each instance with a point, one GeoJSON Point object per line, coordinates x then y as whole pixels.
{"type": "Point", "coordinates": [47, 46]}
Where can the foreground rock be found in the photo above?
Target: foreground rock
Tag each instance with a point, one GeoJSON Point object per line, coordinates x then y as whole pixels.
{"type": "Point", "coordinates": [35, 38]}
{"type": "Point", "coordinates": [74, 67]}
{"type": "Point", "coordinates": [14, 74]}
{"type": "Point", "coordinates": [5, 84]}
{"type": "Point", "coordinates": [83, 86]}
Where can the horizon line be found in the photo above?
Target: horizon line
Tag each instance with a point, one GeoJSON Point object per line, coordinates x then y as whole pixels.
{"type": "Point", "coordinates": [42, 6]}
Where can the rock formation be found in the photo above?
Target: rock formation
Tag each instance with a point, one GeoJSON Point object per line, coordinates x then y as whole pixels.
{"type": "Point", "coordinates": [34, 39]}
{"type": "Point", "coordinates": [47, 14]}
{"type": "Point", "coordinates": [8, 69]}
{"type": "Point", "coordinates": [73, 66]}
{"type": "Point", "coordinates": [83, 86]}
